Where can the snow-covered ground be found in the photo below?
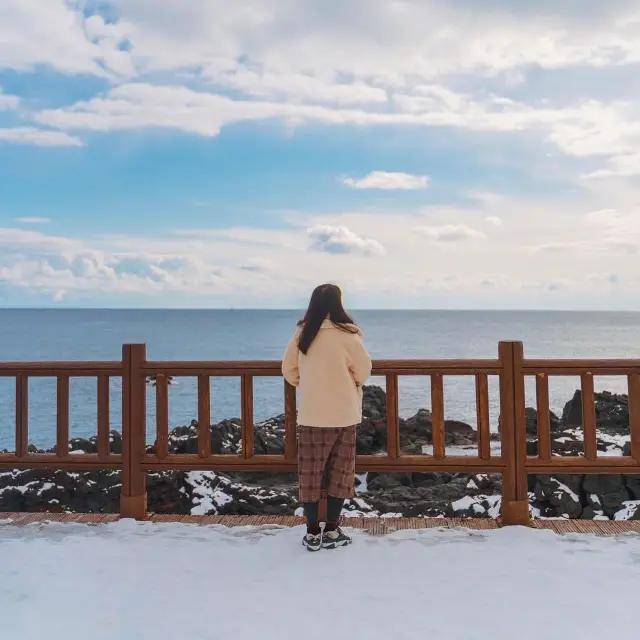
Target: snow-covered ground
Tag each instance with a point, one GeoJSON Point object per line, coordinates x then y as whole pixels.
{"type": "Point", "coordinates": [130, 581]}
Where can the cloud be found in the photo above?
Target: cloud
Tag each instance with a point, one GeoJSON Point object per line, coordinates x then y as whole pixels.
{"type": "Point", "coordinates": [388, 180]}
{"type": "Point", "coordinates": [57, 34]}
{"type": "Point", "coordinates": [33, 220]}
{"type": "Point", "coordinates": [258, 265]}
{"type": "Point", "coordinates": [624, 165]}
{"type": "Point", "coordinates": [494, 220]}
{"type": "Point", "coordinates": [298, 86]}
{"type": "Point", "coordinates": [244, 266]}
{"type": "Point", "coordinates": [261, 46]}
{"type": "Point", "coordinates": [450, 233]}
{"type": "Point", "coordinates": [8, 102]}
{"type": "Point", "coordinates": [39, 137]}
{"type": "Point", "coordinates": [140, 105]}
{"type": "Point", "coordinates": [341, 240]}
{"type": "Point", "coordinates": [406, 64]}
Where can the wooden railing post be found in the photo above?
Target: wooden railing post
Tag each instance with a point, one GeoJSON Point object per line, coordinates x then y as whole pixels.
{"type": "Point", "coordinates": [515, 502]}
{"type": "Point", "coordinates": [634, 413]}
{"type": "Point", "coordinates": [133, 498]}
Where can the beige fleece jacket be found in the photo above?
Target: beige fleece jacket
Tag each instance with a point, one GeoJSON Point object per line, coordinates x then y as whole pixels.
{"type": "Point", "coordinates": [329, 377]}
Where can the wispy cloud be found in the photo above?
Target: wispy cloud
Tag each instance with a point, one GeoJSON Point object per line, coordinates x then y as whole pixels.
{"type": "Point", "coordinates": [8, 102]}
{"type": "Point", "coordinates": [450, 233]}
{"type": "Point", "coordinates": [39, 137]}
{"type": "Point", "coordinates": [388, 180]}
{"type": "Point", "coordinates": [33, 220]}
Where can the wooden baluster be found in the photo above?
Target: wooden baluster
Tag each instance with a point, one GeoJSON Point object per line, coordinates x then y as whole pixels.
{"type": "Point", "coordinates": [290, 441]}
{"type": "Point", "coordinates": [62, 419]}
{"type": "Point", "coordinates": [162, 415]}
{"type": "Point", "coordinates": [22, 415]}
{"type": "Point", "coordinates": [104, 442]}
{"type": "Point", "coordinates": [246, 391]}
{"type": "Point", "coordinates": [204, 416]}
{"type": "Point", "coordinates": [133, 498]}
{"type": "Point", "coordinates": [589, 417]}
{"type": "Point", "coordinates": [633, 382]}
{"type": "Point", "coordinates": [393, 423]}
{"type": "Point", "coordinates": [437, 416]}
{"type": "Point", "coordinates": [544, 426]}
{"type": "Point", "coordinates": [482, 412]}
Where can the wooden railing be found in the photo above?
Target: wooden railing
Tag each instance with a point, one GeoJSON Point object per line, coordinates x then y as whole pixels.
{"type": "Point", "coordinates": [135, 460]}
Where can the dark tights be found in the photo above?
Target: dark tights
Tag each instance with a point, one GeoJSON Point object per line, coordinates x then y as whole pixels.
{"type": "Point", "coordinates": [311, 510]}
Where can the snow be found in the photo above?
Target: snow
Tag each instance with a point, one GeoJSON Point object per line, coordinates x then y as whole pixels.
{"type": "Point", "coordinates": [464, 449]}
{"type": "Point", "coordinates": [129, 581]}
{"type": "Point", "coordinates": [206, 499]}
{"type": "Point", "coordinates": [628, 510]}
{"type": "Point", "coordinates": [562, 488]}
{"type": "Point", "coordinates": [463, 504]}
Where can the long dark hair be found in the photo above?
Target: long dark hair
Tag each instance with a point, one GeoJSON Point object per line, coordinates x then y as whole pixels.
{"type": "Point", "coordinates": [326, 301]}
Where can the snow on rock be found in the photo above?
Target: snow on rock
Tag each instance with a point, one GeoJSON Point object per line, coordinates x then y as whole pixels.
{"type": "Point", "coordinates": [630, 511]}
{"type": "Point", "coordinates": [375, 589]}
{"type": "Point", "coordinates": [212, 493]}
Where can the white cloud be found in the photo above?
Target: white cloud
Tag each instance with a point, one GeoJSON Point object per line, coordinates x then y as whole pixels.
{"type": "Point", "coordinates": [388, 180]}
{"type": "Point", "coordinates": [341, 240]}
{"type": "Point", "coordinates": [494, 220]}
{"type": "Point", "coordinates": [39, 137]}
{"type": "Point", "coordinates": [624, 165]}
{"type": "Point", "coordinates": [56, 34]}
{"type": "Point", "coordinates": [370, 42]}
{"type": "Point", "coordinates": [245, 266]}
{"type": "Point", "coordinates": [33, 220]}
{"type": "Point", "coordinates": [409, 63]}
{"type": "Point", "coordinates": [450, 233]}
{"type": "Point", "coordinates": [8, 102]}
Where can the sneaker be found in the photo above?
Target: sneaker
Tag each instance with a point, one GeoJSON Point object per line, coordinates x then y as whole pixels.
{"type": "Point", "coordinates": [334, 539]}
{"type": "Point", "coordinates": [312, 542]}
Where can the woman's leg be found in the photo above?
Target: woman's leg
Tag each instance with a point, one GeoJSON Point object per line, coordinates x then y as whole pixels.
{"type": "Point", "coordinates": [334, 509]}
{"type": "Point", "coordinates": [311, 514]}
{"type": "Point", "coordinates": [341, 469]}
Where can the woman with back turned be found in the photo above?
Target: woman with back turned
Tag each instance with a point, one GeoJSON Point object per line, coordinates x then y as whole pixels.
{"type": "Point", "coordinates": [328, 363]}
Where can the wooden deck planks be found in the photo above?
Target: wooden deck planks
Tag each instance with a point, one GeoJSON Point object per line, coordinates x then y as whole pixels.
{"type": "Point", "coordinates": [372, 526]}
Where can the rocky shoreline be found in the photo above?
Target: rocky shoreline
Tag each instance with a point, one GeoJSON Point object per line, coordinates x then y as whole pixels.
{"type": "Point", "coordinates": [399, 494]}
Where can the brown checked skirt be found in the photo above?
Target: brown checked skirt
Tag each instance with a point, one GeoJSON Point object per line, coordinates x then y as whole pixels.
{"type": "Point", "coordinates": [326, 460]}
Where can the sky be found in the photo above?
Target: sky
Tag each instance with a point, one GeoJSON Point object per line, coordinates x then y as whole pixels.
{"type": "Point", "coordinates": [419, 153]}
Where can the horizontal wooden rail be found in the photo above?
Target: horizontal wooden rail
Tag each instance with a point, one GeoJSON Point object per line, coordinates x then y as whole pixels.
{"type": "Point", "coordinates": [137, 459]}
{"type": "Point", "coordinates": [279, 463]}
{"type": "Point", "coordinates": [601, 367]}
{"type": "Point", "coordinates": [73, 462]}
{"type": "Point", "coordinates": [53, 369]}
{"type": "Point", "coordinates": [258, 368]}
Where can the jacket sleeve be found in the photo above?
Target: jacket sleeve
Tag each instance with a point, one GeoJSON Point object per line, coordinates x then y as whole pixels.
{"type": "Point", "coordinates": [290, 369]}
{"type": "Point", "coordinates": [360, 361]}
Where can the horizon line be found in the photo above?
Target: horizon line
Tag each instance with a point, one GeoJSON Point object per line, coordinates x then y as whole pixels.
{"type": "Point", "coordinates": [354, 309]}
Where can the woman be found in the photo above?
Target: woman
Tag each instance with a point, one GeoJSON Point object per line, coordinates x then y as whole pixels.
{"type": "Point", "coordinates": [328, 363]}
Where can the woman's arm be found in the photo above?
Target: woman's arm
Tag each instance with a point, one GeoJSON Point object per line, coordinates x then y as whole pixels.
{"type": "Point", "coordinates": [360, 361]}
{"type": "Point", "coordinates": [290, 369]}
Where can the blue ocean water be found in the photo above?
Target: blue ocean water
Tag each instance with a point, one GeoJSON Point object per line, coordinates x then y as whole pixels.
{"type": "Point", "coordinates": [48, 334]}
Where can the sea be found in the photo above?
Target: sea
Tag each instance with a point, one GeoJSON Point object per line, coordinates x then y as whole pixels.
{"type": "Point", "coordinates": [67, 334]}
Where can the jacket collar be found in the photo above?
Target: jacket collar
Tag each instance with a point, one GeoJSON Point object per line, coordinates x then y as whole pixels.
{"type": "Point", "coordinates": [327, 324]}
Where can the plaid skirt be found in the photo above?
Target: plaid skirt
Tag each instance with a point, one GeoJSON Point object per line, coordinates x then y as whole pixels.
{"type": "Point", "coordinates": [326, 461]}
